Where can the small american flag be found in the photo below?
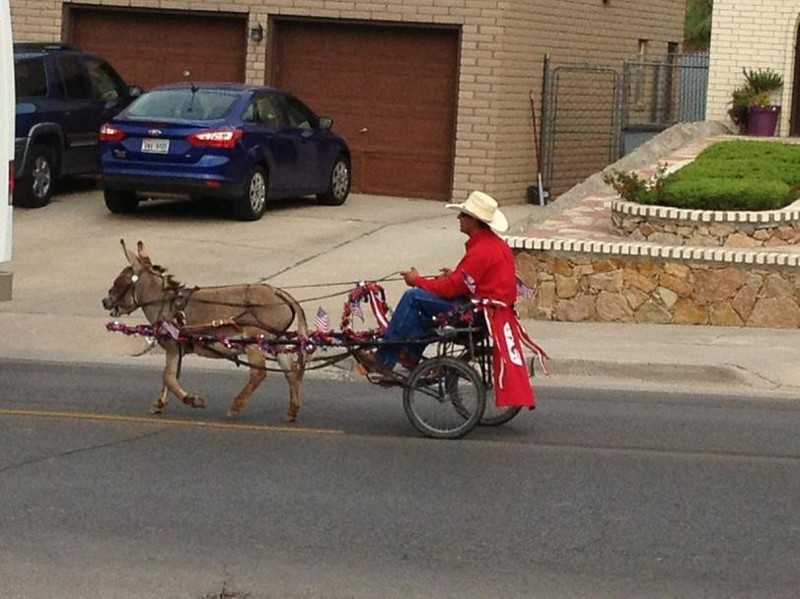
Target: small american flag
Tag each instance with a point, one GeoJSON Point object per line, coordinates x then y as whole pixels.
{"type": "Point", "coordinates": [523, 290]}
{"type": "Point", "coordinates": [355, 309]}
{"type": "Point", "coordinates": [321, 321]}
{"type": "Point", "coordinates": [470, 283]}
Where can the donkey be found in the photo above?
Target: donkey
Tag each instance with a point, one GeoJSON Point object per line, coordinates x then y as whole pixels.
{"type": "Point", "coordinates": [228, 313]}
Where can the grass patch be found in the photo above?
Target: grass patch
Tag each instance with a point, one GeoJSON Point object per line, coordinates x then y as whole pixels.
{"type": "Point", "coordinates": [730, 175]}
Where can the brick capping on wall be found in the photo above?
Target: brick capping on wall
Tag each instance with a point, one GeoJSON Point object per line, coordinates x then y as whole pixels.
{"type": "Point", "coordinates": [788, 214]}
{"type": "Point", "coordinates": [628, 249]}
{"type": "Point", "coordinates": [680, 226]}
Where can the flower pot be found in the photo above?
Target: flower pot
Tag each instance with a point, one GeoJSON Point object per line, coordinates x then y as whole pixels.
{"type": "Point", "coordinates": [762, 120]}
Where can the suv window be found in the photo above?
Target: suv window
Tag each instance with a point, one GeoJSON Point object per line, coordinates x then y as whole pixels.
{"type": "Point", "coordinates": [70, 77]}
{"type": "Point", "coordinates": [106, 83]}
{"type": "Point", "coordinates": [29, 78]}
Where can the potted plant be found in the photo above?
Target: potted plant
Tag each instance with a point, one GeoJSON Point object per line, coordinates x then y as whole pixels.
{"type": "Point", "coordinates": [753, 104]}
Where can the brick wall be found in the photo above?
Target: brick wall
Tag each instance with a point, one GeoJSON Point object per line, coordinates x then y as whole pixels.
{"type": "Point", "coordinates": [751, 36]}
{"type": "Point", "coordinates": [503, 45]}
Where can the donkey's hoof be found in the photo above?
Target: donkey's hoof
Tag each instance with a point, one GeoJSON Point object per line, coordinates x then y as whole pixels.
{"type": "Point", "coordinates": [290, 417]}
{"type": "Point", "coordinates": [232, 412]}
{"type": "Point", "coordinates": [154, 409]}
{"type": "Point", "coordinates": [194, 401]}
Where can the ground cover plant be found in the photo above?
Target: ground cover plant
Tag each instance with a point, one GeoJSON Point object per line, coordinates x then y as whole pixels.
{"type": "Point", "coordinates": [729, 175]}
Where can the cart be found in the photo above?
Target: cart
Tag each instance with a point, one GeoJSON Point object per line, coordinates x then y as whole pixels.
{"type": "Point", "coordinates": [445, 396]}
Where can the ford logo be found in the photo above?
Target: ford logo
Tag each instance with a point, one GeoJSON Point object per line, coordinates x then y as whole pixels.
{"type": "Point", "coordinates": [154, 132]}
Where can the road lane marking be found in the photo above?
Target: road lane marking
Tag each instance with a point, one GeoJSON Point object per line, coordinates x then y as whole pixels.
{"type": "Point", "coordinates": [166, 421]}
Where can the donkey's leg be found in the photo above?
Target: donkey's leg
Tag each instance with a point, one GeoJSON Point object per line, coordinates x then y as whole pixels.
{"type": "Point", "coordinates": [163, 399]}
{"type": "Point", "coordinates": [170, 377]}
{"type": "Point", "coordinates": [293, 369]}
{"type": "Point", "coordinates": [257, 374]}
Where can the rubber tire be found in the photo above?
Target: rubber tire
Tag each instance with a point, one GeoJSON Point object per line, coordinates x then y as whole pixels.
{"type": "Point", "coordinates": [442, 371]}
{"type": "Point", "coordinates": [338, 183]}
{"type": "Point", "coordinates": [253, 202]}
{"type": "Point", "coordinates": [492, 415]}
{"type": "Point", "coordinates": [121, 201]}
{"type": "Point", "coordinates": [495, 416]}
{"type": "Point", "coordinates": [36, 189]}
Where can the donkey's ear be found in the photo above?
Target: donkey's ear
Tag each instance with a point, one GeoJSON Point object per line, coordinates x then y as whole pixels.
{"type": "Point", "coordinates": [144, 255]}
{"type": "Point", "coordinates": [132, 258]}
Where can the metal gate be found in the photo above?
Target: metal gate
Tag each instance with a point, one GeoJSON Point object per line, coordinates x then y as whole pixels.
{"type": "Point", "coordinates": [580, 123]}
{"type": "Point", "coordinates": [592, 115]}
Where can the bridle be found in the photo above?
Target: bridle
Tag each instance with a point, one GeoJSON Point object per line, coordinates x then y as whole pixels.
{"type": "Point", "coordinates": [131, 287]}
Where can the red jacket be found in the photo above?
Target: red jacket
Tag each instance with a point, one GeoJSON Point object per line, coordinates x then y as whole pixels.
{"type": "Point", "coordinates": [487, 270]}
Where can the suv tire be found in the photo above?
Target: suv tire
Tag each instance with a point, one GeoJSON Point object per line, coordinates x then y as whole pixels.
{"type": "Point", "coordinates": [36, 189]}
{"type": "Point", "coordinates": [121, 202]}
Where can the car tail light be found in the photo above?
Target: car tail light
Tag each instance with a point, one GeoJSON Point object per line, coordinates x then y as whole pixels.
{"type": "Point", "coordinates": [109, 132]}
{"type": "Point", "coordinates": [215, 138]}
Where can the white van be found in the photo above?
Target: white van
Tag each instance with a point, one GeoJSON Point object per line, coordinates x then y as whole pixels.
{"type": "Point", "coordinates": [7, 118]}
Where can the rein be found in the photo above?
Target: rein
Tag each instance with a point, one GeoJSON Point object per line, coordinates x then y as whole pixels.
{"type": "Point", "coordinates": [181, 296]}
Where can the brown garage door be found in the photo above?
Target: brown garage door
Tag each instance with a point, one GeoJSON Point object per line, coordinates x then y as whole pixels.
{"type": "Point", "coordinates": [152, 47]}
{"type": "Point", "coordinates": [391, 91]}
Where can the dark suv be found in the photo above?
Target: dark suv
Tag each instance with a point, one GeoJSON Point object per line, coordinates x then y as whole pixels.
{"type": "Point", "coordinates": [63, 96]}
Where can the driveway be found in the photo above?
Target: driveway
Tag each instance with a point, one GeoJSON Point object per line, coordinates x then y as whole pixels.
{"type": "Point", "coordinates": [66, 255]}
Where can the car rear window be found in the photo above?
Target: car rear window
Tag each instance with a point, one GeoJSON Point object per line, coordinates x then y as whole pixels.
{"type": "Point", "coordinates": [29, 78]}
{"type": "Point", "coordinates": [183, 104]}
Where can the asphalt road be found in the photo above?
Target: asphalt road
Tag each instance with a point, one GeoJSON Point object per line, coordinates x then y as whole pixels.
{"type": "Point", "coordinates": [598, 493]}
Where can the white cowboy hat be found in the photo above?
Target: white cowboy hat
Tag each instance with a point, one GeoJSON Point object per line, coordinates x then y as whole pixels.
{"type": "Point", "coordinates": [483, 207]}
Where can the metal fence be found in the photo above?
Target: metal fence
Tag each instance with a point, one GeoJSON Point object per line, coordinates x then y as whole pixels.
{"type": "Point", "coordinates": [593, 115]}
{"type": "Point", "coordinates": [665, 92]}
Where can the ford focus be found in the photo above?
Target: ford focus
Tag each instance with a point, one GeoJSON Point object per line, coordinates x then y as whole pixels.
{"type": "Point", "coordinates": [242, 144]}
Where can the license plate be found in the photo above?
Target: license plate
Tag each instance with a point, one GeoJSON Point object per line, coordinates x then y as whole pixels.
{"type": "Point", "coordinates": [155, 146]}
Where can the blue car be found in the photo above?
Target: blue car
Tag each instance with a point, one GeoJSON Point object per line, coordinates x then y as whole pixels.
{"type": "Point", "coordinates": [239, 143]}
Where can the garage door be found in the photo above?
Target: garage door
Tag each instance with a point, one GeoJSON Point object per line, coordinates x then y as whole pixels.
{"type": "Point", "coordinates": [391, 92]}
{"type": "Point", "coordinates": [150, 48]}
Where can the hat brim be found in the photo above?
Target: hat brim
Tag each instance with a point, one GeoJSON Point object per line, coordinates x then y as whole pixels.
{"type": "Point", "coordinates": [498, 223]}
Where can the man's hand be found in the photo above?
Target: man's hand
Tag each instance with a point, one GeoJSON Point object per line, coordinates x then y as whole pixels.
{"type": "Point", "coordinates": [408, 276]}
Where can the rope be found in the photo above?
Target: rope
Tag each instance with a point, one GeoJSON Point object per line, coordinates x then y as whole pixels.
{"type": "Point", "coordinates": [386, 278]}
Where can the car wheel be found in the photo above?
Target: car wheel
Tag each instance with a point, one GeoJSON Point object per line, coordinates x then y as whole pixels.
{"type": "Point", "coordinates": [121, 202]}
{"type": "Point", "coordinates": [339, 184]}
{"type": "Point", "coordinates": [254, 199]}
{"type": "Point", "coordinates": [36, 189]}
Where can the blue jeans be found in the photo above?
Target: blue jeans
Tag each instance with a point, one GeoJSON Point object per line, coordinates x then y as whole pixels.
{"type": "Point", "coordinates": [413, 317]}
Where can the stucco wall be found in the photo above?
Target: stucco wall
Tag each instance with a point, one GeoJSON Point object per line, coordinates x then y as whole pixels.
{"type": "Point", "coordinates": [751, 36]}
{"type": "Point", "coordinates": [503, 46]}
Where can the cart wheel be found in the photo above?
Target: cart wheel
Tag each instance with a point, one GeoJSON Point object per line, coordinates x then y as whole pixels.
{"type": "Point", "coordinates": [492, 414]}
{"type": "Point", "coordinates": [444, 398]}
{"type": "Point", "coordinates": [496, 415]}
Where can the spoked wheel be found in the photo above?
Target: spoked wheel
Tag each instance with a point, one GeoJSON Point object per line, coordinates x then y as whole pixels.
{"type": "Point", "coordinates": [494, 415]}
{"type": "Point", "coordinates": [444, 398]}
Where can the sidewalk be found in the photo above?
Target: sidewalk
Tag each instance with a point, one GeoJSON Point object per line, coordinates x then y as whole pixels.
{"type": "Point", "coordinates": [760, 360]}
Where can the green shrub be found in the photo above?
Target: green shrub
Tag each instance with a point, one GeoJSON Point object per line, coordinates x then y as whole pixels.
{"type": "Point", "coordinates": [722, 194]}
{"type": "Point", "coordinates": [731, 175]}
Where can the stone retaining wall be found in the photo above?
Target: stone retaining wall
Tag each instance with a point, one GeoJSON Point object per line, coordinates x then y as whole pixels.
{"type": "Point", "coordinates": [733, 229]}
{"type": "Point", "coordinates": [577, 280]}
